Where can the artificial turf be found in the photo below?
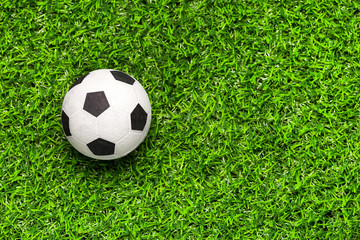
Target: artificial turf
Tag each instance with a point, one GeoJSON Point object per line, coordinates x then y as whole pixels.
{"type": "Point", "coordinates": [255, 129]}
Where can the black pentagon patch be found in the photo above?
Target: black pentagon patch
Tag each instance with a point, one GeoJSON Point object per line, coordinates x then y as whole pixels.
{"type": "Point", "coordinates": [65, 123]}
{"type": "Point", "coordinates": [101, 147]}
{"type": "Point", "coordinates": [138, 118]}
{"type": "Point", "coordinates": [78, 81]}
{"type": "Point", "coordinates": [123, 77]}
{"type": "Point", "coordinates": [96, 103]}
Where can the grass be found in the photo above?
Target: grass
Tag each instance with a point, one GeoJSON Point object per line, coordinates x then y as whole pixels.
{"type": "Point", "coordinates": [255, 129]}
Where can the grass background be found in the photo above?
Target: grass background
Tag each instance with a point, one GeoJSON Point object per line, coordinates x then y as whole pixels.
{"type": "Point", "coordinates": [255, 129]}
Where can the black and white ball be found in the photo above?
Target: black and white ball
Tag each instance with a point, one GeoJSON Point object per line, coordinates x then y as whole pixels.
{"type": "Point", "coordinates": [106, 114]}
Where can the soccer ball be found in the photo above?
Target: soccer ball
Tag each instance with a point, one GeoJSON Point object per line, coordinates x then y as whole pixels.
{"type": "Point", "coordinates": [106, 114]}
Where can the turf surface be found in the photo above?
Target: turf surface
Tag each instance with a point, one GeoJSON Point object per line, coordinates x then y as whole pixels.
{"type": "Point", "coordinates": [255, 129]}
